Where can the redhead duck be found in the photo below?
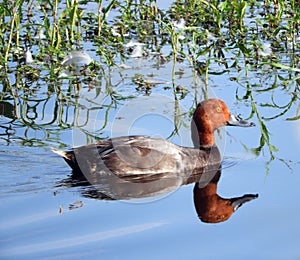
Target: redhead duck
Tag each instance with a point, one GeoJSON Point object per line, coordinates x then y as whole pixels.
{"type": "Point", "coordinates": [212, 208]}
{"type": "Point", "coordinates": [132, 157]}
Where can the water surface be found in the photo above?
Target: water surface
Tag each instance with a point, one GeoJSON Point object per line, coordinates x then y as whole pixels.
{"type": "Point", "coordinates": [45, 216]}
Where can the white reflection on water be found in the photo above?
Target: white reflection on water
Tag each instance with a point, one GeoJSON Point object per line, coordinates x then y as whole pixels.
{"type": "Point", "coordinates": [297, 129]}
{"type": "Point", "coordinates": [25, 220]}
{"type": "Point", "coordinates": [78, 240]}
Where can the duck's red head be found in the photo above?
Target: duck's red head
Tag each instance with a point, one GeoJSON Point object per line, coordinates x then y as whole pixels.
{"type": "Point", "coordinates": [211, 208]}
{"type": "Point", "coordinates": [209, 115]}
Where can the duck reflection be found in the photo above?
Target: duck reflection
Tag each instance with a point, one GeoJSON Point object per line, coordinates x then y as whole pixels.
{"type": "Point", "coordinates": [141, 167]}
{"type": "Point", "coordinates": [210, 207]}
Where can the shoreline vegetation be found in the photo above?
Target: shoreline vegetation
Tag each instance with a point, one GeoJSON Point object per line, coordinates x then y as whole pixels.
{"type": "Point", "coordinates": [253, 44]}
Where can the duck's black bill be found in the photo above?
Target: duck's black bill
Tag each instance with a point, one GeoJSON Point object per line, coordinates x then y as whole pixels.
{"type": "Point", "coordinates": [235, 121]}
{"type": "Point", "coordinates": [239, 201]}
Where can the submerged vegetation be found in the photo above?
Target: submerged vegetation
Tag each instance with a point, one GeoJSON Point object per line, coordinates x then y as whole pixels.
{"type": "Point", "coordinates": [252, 45]}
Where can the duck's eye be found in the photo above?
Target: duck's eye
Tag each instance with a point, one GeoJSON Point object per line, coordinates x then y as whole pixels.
{"type": "Point", "coordinates": [218, 109]}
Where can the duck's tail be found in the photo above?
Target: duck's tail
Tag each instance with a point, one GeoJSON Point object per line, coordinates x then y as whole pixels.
{"type": "Point", "coordinates": [60, 153]}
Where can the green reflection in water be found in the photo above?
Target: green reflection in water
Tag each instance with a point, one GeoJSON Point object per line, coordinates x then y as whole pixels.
{"type": "Point", "coordinates": [138, 49]}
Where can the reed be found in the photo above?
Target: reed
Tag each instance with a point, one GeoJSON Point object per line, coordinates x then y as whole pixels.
{"type": "Point", "coordinates": [233, 39]}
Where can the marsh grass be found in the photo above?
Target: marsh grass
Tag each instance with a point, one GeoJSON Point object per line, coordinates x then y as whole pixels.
{"type": "Point", "coordinates": [241, 40]}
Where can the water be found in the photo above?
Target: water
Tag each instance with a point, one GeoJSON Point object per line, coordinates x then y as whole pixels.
{"type": "Point", "coordinates": [42, 219]}
{"type": "Point", "coordinates": [38, 222]}
{"type": "Point", "coordinates": [46, 215]}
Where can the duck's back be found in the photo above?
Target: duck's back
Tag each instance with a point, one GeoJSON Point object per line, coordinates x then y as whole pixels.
{"type": "Point", "coordinates": [138, 157]}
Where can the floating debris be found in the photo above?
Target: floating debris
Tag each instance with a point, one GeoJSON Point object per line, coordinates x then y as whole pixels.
{"type": "Point", "coordinates": [75, 62]}
{"type": "Point", "coordinates": [265, 50]}
{"type": "Point", "coordinates": [124, 66]}
{"type": "Point", "coordinates": [132, 44]}
{"type": "Point", "coordinates": [156, 82]}
{"type": "Point", "coordinates": [116, 31]}
{"type": "Point", "coordinates": [28, 56]}
{"type": "Point", "coordinates": [137, 52]}
{"type": "Point", "coordinates": [179, 24]}
{"type": "Point", "coordinates": [76, 205]}
{"type": "Point", "coordinates": [40, 35]}
{"type": "Point", "coordinates": [137, 47]}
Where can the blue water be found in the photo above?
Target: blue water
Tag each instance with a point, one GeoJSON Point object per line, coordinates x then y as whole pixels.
{"type": "Point", "coordinates": [43, 216]}
{"type": "Point", "coordinates": [37, 222]}
{"type": "Point", "coordinates": [32, 227]}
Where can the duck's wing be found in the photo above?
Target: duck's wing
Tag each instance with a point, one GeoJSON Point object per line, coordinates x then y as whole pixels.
{"type": "Point", "coordinates": [140, 158]}
{"type": "Point", "coordinates": [135, 155]}
{"type": "Point", "coordinates": [124, 155]}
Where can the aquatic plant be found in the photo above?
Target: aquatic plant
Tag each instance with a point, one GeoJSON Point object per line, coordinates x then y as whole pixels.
{"type": "Point", "coordinates": [254, 45]}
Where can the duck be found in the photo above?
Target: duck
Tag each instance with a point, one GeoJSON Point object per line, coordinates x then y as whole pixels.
{"type": "Point", "coordinates": [211, 207]}
{"type": "Point", "coordinates": [136, 158]}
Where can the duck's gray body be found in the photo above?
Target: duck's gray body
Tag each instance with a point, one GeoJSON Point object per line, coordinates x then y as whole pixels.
{"type": "Point", "coordinates": [134, 157]}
